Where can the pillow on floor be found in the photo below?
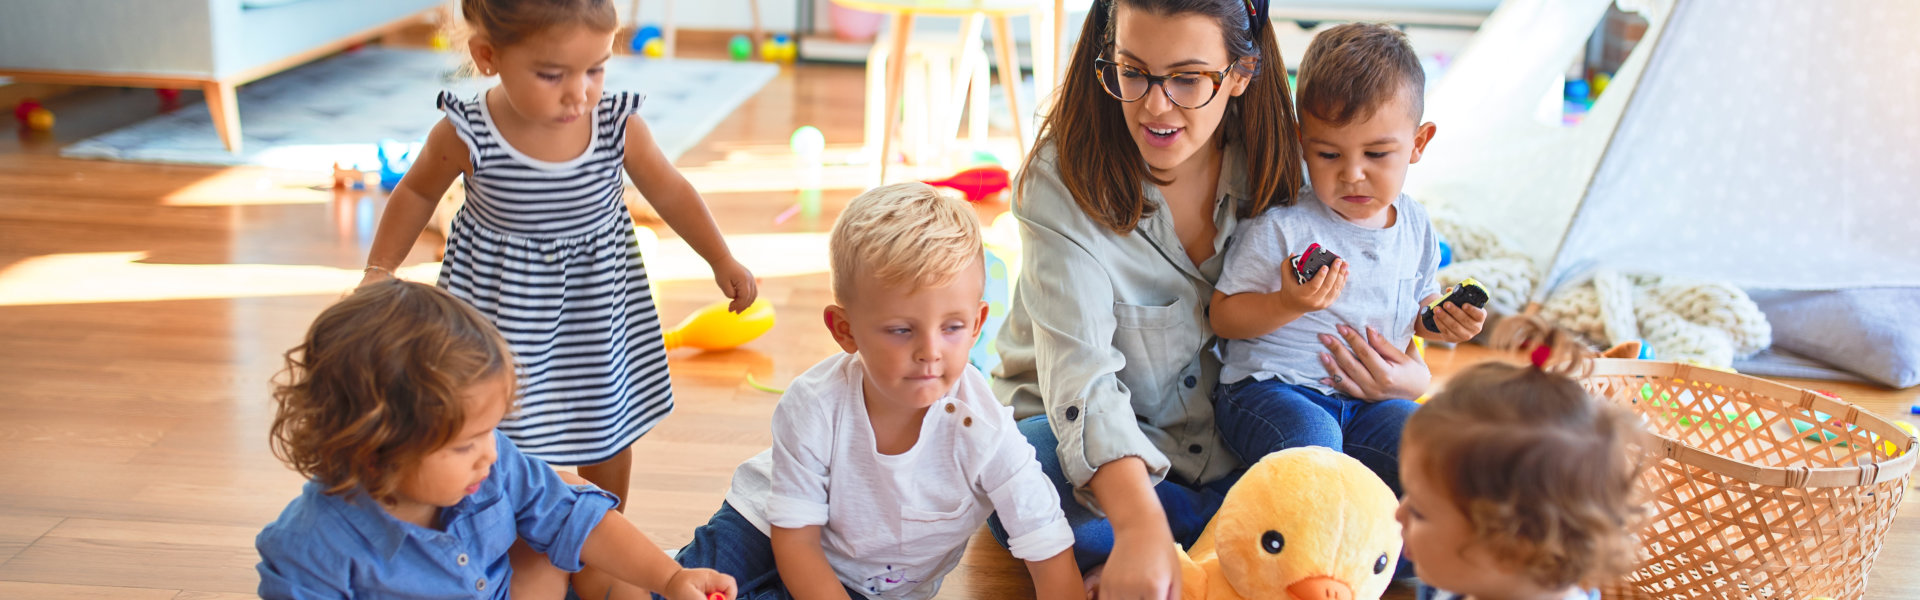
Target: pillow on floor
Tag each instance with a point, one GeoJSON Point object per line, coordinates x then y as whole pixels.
{"type": "Point", "coordinates": [1871, 332]}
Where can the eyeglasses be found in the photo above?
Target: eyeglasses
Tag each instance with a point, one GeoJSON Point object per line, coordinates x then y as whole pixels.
{"type": "Point", "coordinates": [1186, 89]}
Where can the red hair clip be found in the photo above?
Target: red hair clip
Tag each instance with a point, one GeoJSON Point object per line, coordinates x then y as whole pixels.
{"type": "Point", "coordinates": [1540, 354]}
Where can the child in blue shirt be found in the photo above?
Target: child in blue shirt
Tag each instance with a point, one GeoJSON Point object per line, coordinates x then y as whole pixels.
{"type": "Point", "coordinates": [389, 406]}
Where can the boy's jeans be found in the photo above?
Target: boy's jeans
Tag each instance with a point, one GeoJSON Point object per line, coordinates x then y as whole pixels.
{"type": "Point", "coordinates": [730, 544]}
{"type": "Point", "coordinates": [1257, 418]}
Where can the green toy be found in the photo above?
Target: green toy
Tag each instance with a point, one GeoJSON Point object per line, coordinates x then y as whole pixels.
{"type": "Point", "coordinates": [740, 48]}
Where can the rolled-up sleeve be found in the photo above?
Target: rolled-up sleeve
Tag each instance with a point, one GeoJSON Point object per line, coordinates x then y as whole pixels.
{"type": "Point", "coordinates": [802, 447]}
{"type": "Point", "coordinates": [1067, 300]}
{"type": "Point", "coordinates": [553, 516]}
{"type": "Point", "coordinates": [1023, 497]}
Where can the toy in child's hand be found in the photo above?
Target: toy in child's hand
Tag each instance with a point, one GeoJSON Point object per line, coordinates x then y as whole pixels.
{"type": "Point", "coordinates": [1468, 292]}
{"type": "Point", "coordinates": [713, 328]}
{"type": "Point", "coordinates": [1303, 522]}
{"type": "Point", "coordinates": [1309, 263]}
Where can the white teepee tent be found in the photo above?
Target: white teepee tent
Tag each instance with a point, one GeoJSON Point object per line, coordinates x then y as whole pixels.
{"type": "Point", "coordinates": [1766, 143]}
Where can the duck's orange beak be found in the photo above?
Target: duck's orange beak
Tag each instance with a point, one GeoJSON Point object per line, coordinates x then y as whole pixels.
{"type": "Point", "coordinates": [1320, 588]}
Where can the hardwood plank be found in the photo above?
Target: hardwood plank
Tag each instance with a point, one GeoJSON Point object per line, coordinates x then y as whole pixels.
{"type": "Point", "coordinates": [19, 530]}
{"type": "Point", "coordinates": [54, 591]}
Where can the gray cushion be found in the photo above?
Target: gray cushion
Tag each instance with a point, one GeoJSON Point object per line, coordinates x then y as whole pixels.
{"type": "Point", "coordinates": [1870, 332]}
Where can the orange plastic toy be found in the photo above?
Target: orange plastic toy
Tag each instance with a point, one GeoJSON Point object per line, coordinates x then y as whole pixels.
{"type": "Point", "coordinates": [713, 328]}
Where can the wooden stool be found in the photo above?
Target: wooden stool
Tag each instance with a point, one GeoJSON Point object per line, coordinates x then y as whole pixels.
{"type": "Point", "coordinates": [999, 13]}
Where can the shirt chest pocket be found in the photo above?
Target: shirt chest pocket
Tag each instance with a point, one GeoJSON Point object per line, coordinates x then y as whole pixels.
{"type": "Point", "coordinates": [1158, 342]}
{"type": "Point", "coordinates": [933, 524]}
{"type": "Point", "coordinates": [495, 530]}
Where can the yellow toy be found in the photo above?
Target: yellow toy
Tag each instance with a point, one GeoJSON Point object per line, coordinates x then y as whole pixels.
{"type": "Point", "coordinates": [1303, 523]}
{"type": "Point", "coordinates": [713, 328]}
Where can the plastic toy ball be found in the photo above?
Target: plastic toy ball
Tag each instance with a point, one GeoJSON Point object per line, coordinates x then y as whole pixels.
{"type": "Point", "coordinates": [1446, 254]}
{"type": "Point", "coordinates": [655, 48]}
{"type": "Point", "coordinates": [440, 42]}
{"type": "Point", "coordinates": [25, 108]}
{"type": "Point", "coordinates": [40, 119]}
{"type": "Point", "coordinates": [740, 48]}
{"type": "Point", "coordinates": [808, 141]}
{"type": "Point", "coordinates": [641, 36]}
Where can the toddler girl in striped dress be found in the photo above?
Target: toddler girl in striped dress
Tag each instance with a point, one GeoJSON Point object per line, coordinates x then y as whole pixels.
{"type": "Point", "coordinates": [544, 246]}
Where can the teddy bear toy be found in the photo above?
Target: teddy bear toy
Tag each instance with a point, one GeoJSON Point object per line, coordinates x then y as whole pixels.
{"type": "Point", "coordinates": [1302, 524]}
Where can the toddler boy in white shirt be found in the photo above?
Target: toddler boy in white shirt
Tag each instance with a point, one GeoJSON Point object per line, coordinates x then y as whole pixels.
{"type": "Point", "coordinates": [888, 457]}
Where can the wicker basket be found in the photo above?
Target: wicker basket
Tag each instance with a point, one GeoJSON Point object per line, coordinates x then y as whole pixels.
{"type": "Point", "coordinates": [1761, 490]}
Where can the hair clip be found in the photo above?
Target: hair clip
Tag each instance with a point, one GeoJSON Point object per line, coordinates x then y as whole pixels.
{"type": "Point", "coordinates": [1540, 354]}
{"type": "Point", "coordinates": [1256, 15]}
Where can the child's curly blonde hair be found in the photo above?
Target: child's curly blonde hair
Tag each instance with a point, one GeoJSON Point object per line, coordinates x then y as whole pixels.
{"type": "Point", "coordinates": [378, 382]}
{"type": "Point", "coordinates": [1543, 471]}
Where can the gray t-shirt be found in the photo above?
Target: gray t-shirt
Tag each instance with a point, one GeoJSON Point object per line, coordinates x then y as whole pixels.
{"type": "Point", "coordinates": [1389, 271]}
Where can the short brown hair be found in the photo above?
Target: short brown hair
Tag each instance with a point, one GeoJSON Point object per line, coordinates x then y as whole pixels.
{"type": "Point", "coordinates": [903, 233]}
{"type": "Point", "coordinates": [377, 384]}
{"type": "Point", "coordinates": [1543, 471]}
{"type": "Point", "coordinates": [1351, 70]}
{"type": "Point", "coordinates": [1099, 162]}
{"type": "Point", "coordinates": [508, 22]}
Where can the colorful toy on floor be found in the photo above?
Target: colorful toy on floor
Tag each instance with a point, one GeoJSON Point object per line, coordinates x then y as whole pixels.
{"type": "Point", "coordinates": [33, 116]}
{"type": "Point", "coordinates": [1893, 449]}
{"type": "Point", "coordinates": [646, 33]}
{"type": "Point", "coordinates": [395, 158]}
{"type": "Point", "coordinates": [440, 42]}
{"type": "Point", "coordinates": [1446, 253]}
{"type": "Point", "coordinates": [169, 97]}
{"type": "Point", "coordinates": [1302, 523]}
{"type": "Point", "coordinates": [740, 48]}
{"type": "Point", "coordinates": [977, 183]}
{"type": "Point", "coordinates": [713, 328]}
{"type": "Point", "coordinates": [998, 294]}
{"type": "Point", "coordinates": [780, 49]}
{"type": "Point", "coordinates": [347, 178]}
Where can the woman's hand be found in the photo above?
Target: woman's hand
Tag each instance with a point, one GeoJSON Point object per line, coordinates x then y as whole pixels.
{"type": "Point", "coordinates": [1369, 367]}
{"type": "Point", "coordinates": [1143, 565]}
{"type": "Point", "coordinates": [737, 283]}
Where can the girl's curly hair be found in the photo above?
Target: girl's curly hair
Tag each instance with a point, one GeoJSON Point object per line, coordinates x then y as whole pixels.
{"type": "Point", "coordinates": [1543, 471]}
{"type": "Point", "coordinates": [378, 382]}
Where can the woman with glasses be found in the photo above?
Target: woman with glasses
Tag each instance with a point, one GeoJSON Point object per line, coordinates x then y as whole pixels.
{"type": "Point", "coordinates": [1174, 123]}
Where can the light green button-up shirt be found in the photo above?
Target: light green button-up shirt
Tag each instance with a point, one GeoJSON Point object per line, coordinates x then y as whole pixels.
{"type": "Point", "coordinates": [1108, 333]}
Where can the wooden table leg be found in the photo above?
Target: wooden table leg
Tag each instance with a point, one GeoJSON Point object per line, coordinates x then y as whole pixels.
{"type": "Point", "coordinates": [896, 75]}
{"type": "Point", "coordinates": [1009, 73]}
{"type": "Point", "coordinates": [1045, 41]}
{"type": "Point", "coordinates": [962, 78]}
{"type": "Point", "coordinates": [225, 111]}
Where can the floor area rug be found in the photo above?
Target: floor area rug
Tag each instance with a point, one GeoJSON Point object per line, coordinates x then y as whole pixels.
{"type": "Point", "coordinates": [340, 108]}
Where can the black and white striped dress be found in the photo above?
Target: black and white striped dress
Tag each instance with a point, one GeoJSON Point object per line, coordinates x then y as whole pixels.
{"type": "Point", "coordinates": [548, 252]}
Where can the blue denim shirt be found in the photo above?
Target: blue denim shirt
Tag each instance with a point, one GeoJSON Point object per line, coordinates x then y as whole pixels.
{"type": "Point", "coordinates": [347, 546]}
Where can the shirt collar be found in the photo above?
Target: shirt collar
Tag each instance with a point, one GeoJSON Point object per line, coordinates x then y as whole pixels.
{"type": "Point", "coordinates": [1230, 189]}
{"type": "Point", "coordinates": [384, 533]}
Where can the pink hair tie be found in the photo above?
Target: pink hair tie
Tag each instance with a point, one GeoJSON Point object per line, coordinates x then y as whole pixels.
{"type": "Point", "coordinates": [1540, 354]}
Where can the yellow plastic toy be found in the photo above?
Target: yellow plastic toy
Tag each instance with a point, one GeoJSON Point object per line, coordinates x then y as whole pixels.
{"type": "Point", "coordinates": [654, 48]}
{"type": "Point", "coordinates": [713, 328]}
{"type": "Point", "coordinates": [1303, 523]}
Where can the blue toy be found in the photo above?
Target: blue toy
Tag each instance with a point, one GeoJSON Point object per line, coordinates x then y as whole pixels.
{"type": "Point", "coordinates": [641, 36]}
{"type": "Point", "coordinates": [1646, 351]}
{"type": "Point", "coordinates": [1446, 253]}
{"type": "Point", "coordinates": [998, 292]}
{"type": "Point", "coordinates": [395, 158]}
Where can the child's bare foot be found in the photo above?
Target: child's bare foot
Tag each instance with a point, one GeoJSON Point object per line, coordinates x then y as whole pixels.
{"type": "Point", "coordinates": [1092, 580]}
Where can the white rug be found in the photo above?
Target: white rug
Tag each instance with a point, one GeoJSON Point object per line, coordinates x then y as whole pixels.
{"type": "Point", "coordinates": [340, 108]}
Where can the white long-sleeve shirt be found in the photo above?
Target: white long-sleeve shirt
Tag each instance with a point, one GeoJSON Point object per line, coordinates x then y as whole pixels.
{"type": "Point", "coordinates": [893, 526]}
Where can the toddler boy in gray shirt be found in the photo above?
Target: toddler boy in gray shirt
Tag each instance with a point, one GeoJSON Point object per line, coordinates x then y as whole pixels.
{"type": "Point", "coordinates": [1360, 104]}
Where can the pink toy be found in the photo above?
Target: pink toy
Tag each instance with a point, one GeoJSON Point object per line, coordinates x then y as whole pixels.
{"type": "Point", "coordinates": [978, 183]}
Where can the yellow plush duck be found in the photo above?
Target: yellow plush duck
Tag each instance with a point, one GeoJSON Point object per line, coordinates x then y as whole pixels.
{"type": "Point", "coordinates": [1303, 524]}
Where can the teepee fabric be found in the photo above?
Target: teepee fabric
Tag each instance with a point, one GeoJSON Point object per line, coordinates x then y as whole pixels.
{"type": "Point", "coordinates": [1763, 143]}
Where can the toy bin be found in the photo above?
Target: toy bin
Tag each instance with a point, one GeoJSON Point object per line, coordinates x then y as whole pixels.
{"type": "Point", "coordinates": [1757, 489]}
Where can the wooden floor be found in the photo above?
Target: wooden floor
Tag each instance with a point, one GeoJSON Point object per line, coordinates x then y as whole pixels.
{"type": "Point", "coordinates": [143, 309]}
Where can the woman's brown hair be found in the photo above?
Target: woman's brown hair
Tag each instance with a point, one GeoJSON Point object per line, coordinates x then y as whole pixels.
{"type": "Point", "coordinates": [378, 383]}
{"type": "Point", "coordinates": [1097, 158]}
{"type": "Point", "coordinates": [1543, 470]}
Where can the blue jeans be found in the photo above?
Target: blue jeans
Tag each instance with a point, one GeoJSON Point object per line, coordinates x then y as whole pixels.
{"type": "Point", "coordinates": [1189, 507]}
{"type": "Point", "coordinates": [1257, 418]}
{"type": "Point", "coordinates": [730, 544]}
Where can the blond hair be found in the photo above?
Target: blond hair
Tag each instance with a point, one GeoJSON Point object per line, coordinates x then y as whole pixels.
{"type": "Point", "coordinates": [1543, 470]}
{"type": "Point", "coordinates": [905, 233]}
{"type": "Point", "coordinates": [377, 384]}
